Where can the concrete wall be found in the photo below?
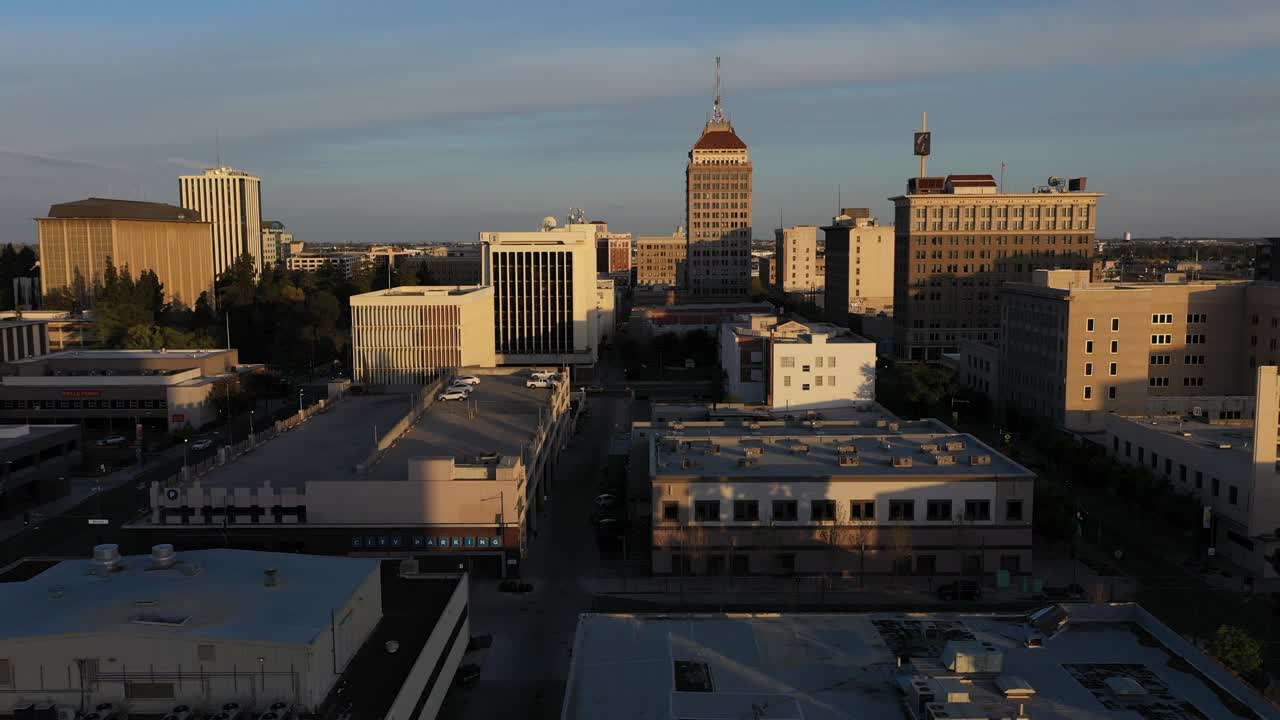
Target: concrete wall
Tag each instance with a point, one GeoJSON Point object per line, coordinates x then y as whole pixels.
{"type": "Point", "coordinates": [438, 661]}
{"type": "Point", "coordinates": [794, 388]}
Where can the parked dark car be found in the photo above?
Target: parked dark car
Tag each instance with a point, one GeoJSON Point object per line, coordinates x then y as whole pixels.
{"type": "Point", "coordinates": [960, 590]}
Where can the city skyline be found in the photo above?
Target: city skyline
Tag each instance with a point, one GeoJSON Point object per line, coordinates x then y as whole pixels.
{"type": "Point", "coordinates": [1154, 102]}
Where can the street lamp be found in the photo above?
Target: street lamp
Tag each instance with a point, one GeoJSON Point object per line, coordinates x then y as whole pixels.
{"type": "Point", "coordinates": [300, 391]}
{"type": "Point", "coordinates": [250, 424]}
{"type": "Point", "coordinates": [185, 442]}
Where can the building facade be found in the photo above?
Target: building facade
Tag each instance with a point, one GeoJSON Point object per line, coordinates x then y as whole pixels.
{"type": "Point", "coordinates": [858, 264]}
{"type": "Point", "coordinates": [544, 294]}
{"type": "Point", "coordinates": [1077, 351]}
{"type": "Point", "coordinates": [232, 201]}
{"type": "Point", "coordinates": [276, 243]}
{"type": "Point", "coordinates": [411, 335]}
{"type": "Point", "coordinates": [458, 265]}
{"type": "Point", "coordinates": [793, 365]}
{"type": "Point", "coordinates": [613, 253]}
{"type": "Point", "coordinates": [718, 191]}
{"type": "Point", "coordinates": [662, 260]}
{"type": "Point", "coordinates": [957, 239]}
{"type": "Point", "coordinates": [859, 495]}
{"type": "Point", "coordinates": [79, 239]}
{"type": "Point", "coordinates": [796, 257]}
{"type": "Point", "coordinates": [345, 262]}
{"type": "Point", "coordinates": [22, 339]}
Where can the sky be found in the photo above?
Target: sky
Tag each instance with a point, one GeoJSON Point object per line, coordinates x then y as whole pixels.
{"type": "Point", "coordinates": [432, 122]}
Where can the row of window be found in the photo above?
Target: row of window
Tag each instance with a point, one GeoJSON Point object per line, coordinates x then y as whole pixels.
{"type": "Point", "coordinates": [1186, 359]}
{"type": "Point", "coordinates": [824, 510]}
{"type": "Point", "coordinates": [84, 404]}
{"type": "Point", "coordinates": [1115, 324]}
{"type": "Point", "coordinates": [817, 380]}
{"type": "Point", "coordinates": [788, 361]}
{"type": "Point", "coordinates": [1088, 392]}
{"type": "Point", "coordinates": [1115, 346]}
{"type": "Point", "coordinates": [1215, 485]}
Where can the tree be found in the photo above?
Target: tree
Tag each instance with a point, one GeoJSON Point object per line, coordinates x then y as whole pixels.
{"type": "Point", "coordinates": [1237, 649]}
{"type": "Point", "coordinates": [924, 386]}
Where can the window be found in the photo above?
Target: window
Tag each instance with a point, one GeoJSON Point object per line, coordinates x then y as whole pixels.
{"type": "Point", "coordinates": [206, 653]}
{"type": "Point", "coordinates": [1232, 494]}
{"type": "Point", "coordinates": [1161, 339]}
{"type": "Point", "coordinates": [1088, 325]}
{"type": "Point", "coordinates": [1197, 339]}
{"type": "Point", "coordinates": [804, 368]}
{"type": "Point", "coordinates": [1216, 486]}
{"type": "Point", "coordinates": [831, 381]}
{"type": "Point", "coordinates": [746, 510]}
{"type": "Point", "coordinates": [1160, 359]}
{"type": "Point", "coordinates": [862, 509]}
{"type": "Point", "coordinates": [786, 381]}
{"type": "Point", "coordinates": [1115, 324]}
{"type": "Point", "coordinates": [1013, 510]}
{"type": "Point", "coordinates": [1128, 448]}
{"type": "Point", "coordinates": [1158, 382]}
{"type": "Point", "coordinates": [902, 509]}
{"type": "Point", "coordinates": [788, 362]}
{"type": "Point", "coordinates": [938, 510]}
{"type": "Point", "coordinates": [1162, 319]}
{"type": "Point", "coordinates": [1182, 472]}
{"type": "Point", "coordinates": [818, 361]}
{"type": "Point", "coordinates": [831, 361]}
{"type": "Point", "coordinates": [1113, 368]}
{"type": "Point", "coordinates": [785, 510]}
{"type": "Point", "coordinates": [805, 387]}
{"type": "Point", "coordinates": [670, 511]}
{"type": "Point", "coordinates": [1168, 466]}
{"type": "Point", "coordinates": [822, 510]}
{"type": "Point", "coordinates": [6, 673]}
{"type": "Point", "coordinates": [1142, 454]}
{"type": "Point", "coordinates": [1088, 346]}
{"type": "Point", "coordinates": [706, 510]}
{"type": "Point", "coordinates": [1193, 360]}
{"type": "Point", "coordinates": [817, 381]}
{"type": "Point", "coordinates": [1088, 368]}
{"type": "Point", "coordinates": [1197, 318]}
{"type": "Point", "coordinates": [1115, 443]}
{"type": "Point", "coordinates": [1193, 382]}
{"type": "Point", "coordinates": [977, 509]}
{"type": "Point", "coordinates": [1111, 392]}
{"type": "Point", "coordinates": [1088, 392]}
{"type": "Point", "coordinates": [1115, 346]}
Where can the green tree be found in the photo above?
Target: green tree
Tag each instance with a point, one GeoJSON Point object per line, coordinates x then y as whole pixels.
{"type": "Point", "coordinates": [925, 387]}
{"type": "Point", "coordinates": [1237, 649]}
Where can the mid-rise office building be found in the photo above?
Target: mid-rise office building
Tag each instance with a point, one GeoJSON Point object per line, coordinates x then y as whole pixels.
{"type": "Point", "coordinates": [79, 239]}
{"type": "Point", "coordinates": [276, 243]}
{"type": "Point", "coordinates": [345, 262]}
{"type": "Point", "coordinates": [457, 265]}
{"type": "Point", "coordinates": [796, 257]}
{"type": "Point", "coordinates": [613, 253]}
{"type": "Point", "coordinates": [862, 493]}
{"type": "Point", "coordinates": [957, 239]}
{"type": "Point", "coordinates": [410, 335]}
{"type": "Point", "coordinates": [1076, 351]}
{"type": "Point", "coordinates": [793, 365]}
{"type": "Point", "coordinates": [718, 187]}
{"type": "Point", "coordinates": [544, 294]}
{"type": "Point", "coordinates": [63, 329]}
{"type": "Point", "coordinates": [858, 264]}
{"type": "Point", "coordinates": [232, 201]}
{"type": "Point", "coordinates": [662, 260]}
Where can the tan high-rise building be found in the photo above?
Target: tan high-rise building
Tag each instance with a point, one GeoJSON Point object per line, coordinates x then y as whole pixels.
{"type": "Point", "coordinates": [859, 264]}
{"type": "Point", "coordinates": [661, 260]}
{"type": "Point", "coordinates": [232, 201]}
{"type": "Point", "coordinates": [79, 238]}
{"type": "Point", "coordinates": [957, 239]}
{"type": "Point", "coordinates": [1073, 351]}
{"type": "Point", "coordinates": [796, 254]}
{"type": "Point", "coordinates": [718, 209]}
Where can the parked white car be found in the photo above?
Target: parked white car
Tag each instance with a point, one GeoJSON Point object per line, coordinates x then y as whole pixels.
{"type": "Point", "coordinates": [544, 375]}
{"type": "Point", "coordinates": [202, 444]}
{"type": "Point", "coordinates": [539, 383]}
{"type": "Point", "coordinates": [467, 380]}
{"type": "Point", "coordinates": [452, 394]}
{"type": "Point", "coordinates": [462, 387]}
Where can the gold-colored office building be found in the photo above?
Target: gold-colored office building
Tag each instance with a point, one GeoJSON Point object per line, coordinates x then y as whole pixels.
{"type": "Point", "coordinates": [958, 239]}
{"type": "Point", "coordinates": [661, 260]}
{"type": "Point", "coordinates": [718, 207]}
{"type": "Point", "coordinates": [80, 237]}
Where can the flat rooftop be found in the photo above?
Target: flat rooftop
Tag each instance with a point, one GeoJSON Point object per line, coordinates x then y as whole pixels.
{"type": "Point", "coordinates": [218, 594]}
{"type": "Point", "coordinates": [423, 291]}
{"type": "Point", "coordinates": [326, 447]}
{"type": "Point", "coordinates": [91, 355]}
{"type": "Point", "coordinates": [500, 417]}
{"type": "Point", "coordinates": [14, 437]}
{"type": "Point", "coordinates": [796, 448]}
{"type": "Point", "coordinates": [1234, 440]}
{"type": "Point", "coordinates": [835, 667]}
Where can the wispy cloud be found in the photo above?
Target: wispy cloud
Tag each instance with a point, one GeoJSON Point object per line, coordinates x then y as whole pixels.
{"type": "Point", "coordinates": [57, 161]}
{"type": "Point", "coordinates": [189, 164]}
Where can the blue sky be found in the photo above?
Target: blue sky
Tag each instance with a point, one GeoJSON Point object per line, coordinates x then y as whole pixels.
{"type": "Point", "coordinates": [392, 121]}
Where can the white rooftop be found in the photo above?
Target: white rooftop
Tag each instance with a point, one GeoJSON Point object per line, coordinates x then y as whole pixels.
{"type": "Point", "coordinates": [220, 593]}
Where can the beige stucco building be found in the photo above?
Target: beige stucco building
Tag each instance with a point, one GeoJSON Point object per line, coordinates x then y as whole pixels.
{"type": "Point", "coordinates": [79, 238]}
{"type": "Point", "coordinates": [859, 494]}
{"type": "Point", "coordinates": [789, 365]}
{"type": "Point", "coordinates": [410, 335]}
{"type": "Point", "coordinates": [858, 264]}
{"type": "Point", "coordinates": [1074, 351]}
{"type": "Point", "coordinates": [796, 257]}
{"type": "Point", "coordinates": [958, 239]}
{"type": "Point", "coordinates": [661, 260]}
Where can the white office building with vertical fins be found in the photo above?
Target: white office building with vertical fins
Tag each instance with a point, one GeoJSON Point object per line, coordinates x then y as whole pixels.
{"type": "Point", "coordinates": [232, 200]}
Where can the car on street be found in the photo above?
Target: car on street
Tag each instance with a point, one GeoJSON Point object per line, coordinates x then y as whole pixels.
{"type": "Point", "coordinates": [202, 444]}
{"type": "Point", "coordinates": [467, 380]}
{"type": "Point", "coordinates": [539, 383]}
{"type": "Point", "coordinates": [461, 387]}
{"type": "Point", "coordinates": [594, 388]}
{"type": "Point", "coordinates": [112, 441]}
{"type": "Point", "coordinates": [451, 395]}
{"type": "Point", "coordinates": [960, 590]}
{"type": "Point", "coordinates": [544, 375]}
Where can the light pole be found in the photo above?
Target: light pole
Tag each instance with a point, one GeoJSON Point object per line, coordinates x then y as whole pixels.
{"type": "Point", "coordinates": [502, 530]}
{"type": "Point", "coordinates": [185, 442]}
{"type": "Point", "coordinates": [251, 425]}
{"type": "Point", "coordinates": [300, 391]}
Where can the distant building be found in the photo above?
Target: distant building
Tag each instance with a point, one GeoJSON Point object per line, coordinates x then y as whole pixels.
{"type": "Point", "coordinates": [410, 335]}
{"type": "Point", "coordinates": [957, 239]}
{"type": "Point", "coordinates": [457, 265]}
{"type": "Point", "coordinates": [718, 188]}
{"type": "Point", "coordinates": [23, 338]}
{"type": "Point", "coordinates": [1267, 262]}
{"type": "Point", "coordinates": [276, 242]}
{"type": "Point", "coordinates": [796, 256]}
{"type": "Point", "coordinates": [345, 262]}
{"type": "Point", "coordinates": [662, 260]}
{"type": "Point", "coordinates": [648, 321]}
{"type": "Point", "coordinates": [613, 253]}
{"type": "Point", "coordinates": [793, 365]}
{"type": "Point", "coordinates": [232, 201]}
{"type": "Point", "coordinates": [63, 329]}
{"type": "Point", "coordinates": [78, 239]}
{"type": "Point", "coordinates": [606, 317]}
{"type": "Point", "coordinates": [858, 264]}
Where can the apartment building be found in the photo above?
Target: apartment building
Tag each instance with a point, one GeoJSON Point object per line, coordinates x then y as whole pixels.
{"type": "Point", "coordinates": [1074, 351]}
{"type": "Point", "coordinates": [661, 260]}
{"type": "Point", "coordinates": [411, 335]}
{"type": "Point", "coordinates": [859, 493]}
{"type": "Point", "coordinates": [793, 365]}
{"type": "Point", "coordinates": [796, 260]}
{"type": "Point", "coordinates": [545, 302]}
{"type": "Point", "coordinates": [232, 200]}
{"type": "Point", "coordinates": [857, 264]}
{"type": "Point", "coordinates": [957, 239]}
{"type": "Point", "coordinates": [78, 240]}
{"type": "Point", "coordinates": [718, 182]}
{"type": "Point", "coordinates": [1223, 452]}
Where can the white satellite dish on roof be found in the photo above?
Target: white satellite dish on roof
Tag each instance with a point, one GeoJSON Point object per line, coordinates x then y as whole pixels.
{"type": "Point", "coordinates": [548, 223]}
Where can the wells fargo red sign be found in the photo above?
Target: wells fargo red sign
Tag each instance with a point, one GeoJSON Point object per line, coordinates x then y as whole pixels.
{"type": "Point", "coordinates": [81, 393]}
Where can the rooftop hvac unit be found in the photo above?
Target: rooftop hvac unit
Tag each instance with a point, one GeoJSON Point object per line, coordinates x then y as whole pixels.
{"type": "Point", "coordinates": [753, 426]}
{"type": "Point", "coordinates": [901, 461]}
{"type": "Point", "coordinates": [849, 460]}
{"type": "Point", "coordinates": [979, 460]}
{"type": "Point", "coordinates": [677, 425]}
{"type": "Point", "coordinates": [893, 427]}
{"type": "Point", "coordinates": [881, 423]}
{"type": "Point", "coordinates": [754, 450]}
{"type": "Point", "coordinates": [945, 459]}
{"type": "Point", "coordinates": [800, 448]}
{"type": "Point", "coordinates": [686, 464]}
{"type": "Point", "coordinates": [972, 656]}
{"type": "Point", "coordinates": [929, 447]}
{"type": "Point", "coordinates": [163, 556]}
{"type": "Point", "coordinates": [1015, 688]}
{"type": "Point", "coordinates": [955, 445]}
{"type": "Point", "coordinates": [181, 712]}
{"type": "Point", "coordinates": [847, 449]}
{"type": "Point", "coordinates": [103, 711]}
{"type": "Point", "coordinates": [1125, 686]}
{"type": "Point", "coordinates": [714, 449]}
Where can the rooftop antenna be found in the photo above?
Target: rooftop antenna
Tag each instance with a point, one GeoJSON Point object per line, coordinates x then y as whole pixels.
{"type": "Point", "coordinates": [217, 147]}
{"type": "Point", "coordinates": [839, 197]}
{"type": "Point", "coordinates": [924, 129]}
{"type": "Point", "coordinates": [1002, 168]}
{"type": "Point", "coordinates": [717, 114]}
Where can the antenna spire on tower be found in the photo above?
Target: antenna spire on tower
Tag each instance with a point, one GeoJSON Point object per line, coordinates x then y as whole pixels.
{"type": "Point", "coordinates": [217, 147]}
{"type": "Point", "coordinates": [717, 114]}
